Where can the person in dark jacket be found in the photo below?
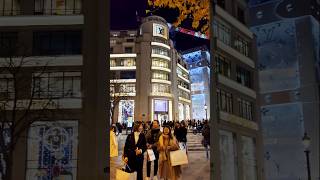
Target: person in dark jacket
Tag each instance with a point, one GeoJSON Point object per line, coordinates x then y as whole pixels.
{"type": "Point", "coordinates": [180, 132]}
{"type": "Point", "coordinates": [133, 151]}
{"type": "Point", "coordinates": [152, 138]}
{"type": "Point", "coordinates": [206, 137]}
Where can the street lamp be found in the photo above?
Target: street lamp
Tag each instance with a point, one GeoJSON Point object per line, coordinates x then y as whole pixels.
{"type": "Point", "coordinates": [206, 108]}
{"type": "Point", "coordinates": [306, 142]}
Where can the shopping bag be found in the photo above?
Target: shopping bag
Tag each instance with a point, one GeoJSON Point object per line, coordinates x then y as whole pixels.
{"type": "Point", "coordinates": [151, 156]}
{"type": "Point", "coordinates": [178, 157]}
{"type": "Point", "coordinates": [122, 175]}
{"type": "Point", "coordinates": [182, 146]}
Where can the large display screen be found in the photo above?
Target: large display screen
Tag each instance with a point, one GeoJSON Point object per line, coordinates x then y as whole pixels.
{"type": "Point", "coordinates": [160, 105]}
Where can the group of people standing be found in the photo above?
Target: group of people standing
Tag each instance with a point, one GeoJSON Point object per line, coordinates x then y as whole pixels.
{"type": "Point", "coordinates": [160, 142]}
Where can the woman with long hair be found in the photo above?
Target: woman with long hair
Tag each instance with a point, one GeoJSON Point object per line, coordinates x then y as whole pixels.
{"type": "Point", "coordinates": [167, 143]}
{"type": "Point", "coordinates": [134, 148]}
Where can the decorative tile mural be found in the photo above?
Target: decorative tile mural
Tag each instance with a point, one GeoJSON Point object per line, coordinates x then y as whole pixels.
{"type": "Point", "coordinates": [52, 150]}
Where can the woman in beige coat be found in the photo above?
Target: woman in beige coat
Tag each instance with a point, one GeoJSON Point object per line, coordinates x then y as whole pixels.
{"type": "Point", "coordinates": [167, 142]}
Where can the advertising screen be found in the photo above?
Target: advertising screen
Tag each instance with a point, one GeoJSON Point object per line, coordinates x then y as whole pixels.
{"type": "Point", "coordinates": [160, 105]}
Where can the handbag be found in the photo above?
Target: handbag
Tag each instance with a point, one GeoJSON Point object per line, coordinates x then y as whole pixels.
{"type": "Point", "coordinates": [151, 156]}
{"type": "Point", "coordinates": [178, 157]}
{"type": "Point", "coordinates": [121, 174]}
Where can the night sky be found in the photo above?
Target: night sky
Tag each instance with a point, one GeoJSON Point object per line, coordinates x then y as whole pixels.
{"type": "Point", "coordinates": [123, 16]}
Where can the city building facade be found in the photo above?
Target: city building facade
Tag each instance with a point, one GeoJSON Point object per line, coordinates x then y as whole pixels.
{"type": "Point", "coordinates": [288, 50]}
{"type": "Point", "coordinates": [237, 135]}
{"type": "Point", "coordinates": [198, 61]}
{"type": "Point", "coordinates": [149, 77]}
{"type": "Point", "coordinates": [50, 69]}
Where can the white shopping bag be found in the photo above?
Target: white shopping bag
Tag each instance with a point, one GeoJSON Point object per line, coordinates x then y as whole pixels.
{"type": "Point", "coordinates": [151, 155]}
{"type": "Point", "coordinates": [178, 157]}
{"type": "Point", "coordinates": [182, 146]}
{"type": "Point", "coordinates": [122, 175]}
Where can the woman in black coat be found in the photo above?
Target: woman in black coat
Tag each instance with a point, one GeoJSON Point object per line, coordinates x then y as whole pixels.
{"type": "Point", "coordinates": [134, 148]}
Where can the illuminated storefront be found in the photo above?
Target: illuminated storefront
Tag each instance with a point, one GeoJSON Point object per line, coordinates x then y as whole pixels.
{"type": "Point", "coordinates": [126, 111]}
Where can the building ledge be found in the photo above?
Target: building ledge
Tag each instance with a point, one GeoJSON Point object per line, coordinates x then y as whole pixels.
{"type": "Point", "coordinates": [160, 44]}
{"type": "Point", "coordinates": [123, 55]}
{"type": "Point", "coordinates": [238, 120]}
{"type": "Point", "coordinates": [160, 81]}
{"type": "Point", "coordinates": [161, 69]}
{"type": "Point", "coordinates": [181, 77]}
{"type": "Point", "coordinates": [39, 61]}
{"type": "Point", "coordinates": [184, 100]}
{"type": "Point", "coordinates": [62, 103]}
{"type": "Point", "coordinates": [124, 94]}
{"type": "Point", "coordinates": [235, 23]}
{"type": "Point", "coordinates": [185, 89]}
{"type": "Point", "coordinates": [183, 68]}
{"type": "Point", "coordinates": [239, 87]}
{"type": "Point", "coordinates": [114, 68]}
{"type": "Point", "coordinates": [41, 20]}
{"type": "Point", "coordinates": [160, 56]}
{"type": "Point", "coordinates": [235, 54]}
{"type": "Point", "coordinates": [122, 80]}
{"type": "Point", "coordinates": [161, 94]}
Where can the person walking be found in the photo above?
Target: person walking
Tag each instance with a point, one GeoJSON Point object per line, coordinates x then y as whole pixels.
{"type": "Point", "coordinates": [180, 133]}
{"type": "Point", "coordinates": [113, 143]}
{"type": "Point", "coordinates": [167, 143]}
{"type": "Point", "coordinates": [114, 151]}
{"type": "Point", "coordinates": [134, 148]}
{"type": "Point", "coordinates": [152, 139]}
{"type": "Point", "coordinates": [206, 137]}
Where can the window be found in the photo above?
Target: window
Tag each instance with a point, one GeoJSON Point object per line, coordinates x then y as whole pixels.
{"type": "Point", "coordinates": [57, 7]}
{"type": "Point", "coordinates": [113, 63]}
{"type": "Point", "coordinates": [6, 86]}
{"type": "Point", "coordinates": [249, 158]}
{"type": "Point", "coordinates": [57, 85]}
{"type": "Point", "coordinates": [127, 62]}
{"type": "Point", "coordinates": [221, 3]}
{"type": "Point", "coordinates": [160, 75]}
{"type": "Point", "coordinates": [160, 88]}
{"type": "Point", "coordinates": [183, 94]}
{"type": "Point", "coordinates": [160, 63]}
{"type": "Point", "coordinates": [113, 41]}
{"type": "Point", "coordinates": [128, 50]}
{"type": "Point", "coordinates": [9, 7]}
{"type": "Point", "coordinates": [245, 109]}
{"type": "Point", "coordinates": [8, 41]}
{"type": "Point", "coordinates": [57, 43]}
{"type": "Point", "coordinates": [160, 51]}
{"type": "Point", "coordinates": [111, 50]}
{"type": "Point", "coordinates": [243, 76]}
{"type": "Point", "coordinates": [241, 45]}
{"type": "Point", "coordinates": [222, 32]}
{"type": "Point", "coordinates": [127, 88]}
{"type": "Point", "coordinates": [225, 101]}
{"type": "Point", "coordinates": [183, 84]}
{"type": "Point", "coordinates": [223, 65]}
{"type": "Point", "coordinates": [182, 73]}
{"type": "Point", "coordinates": [228, 154]}
{"type": "Point", "coordinates": [127, 75]}
{"type": "Point", "coordinates": [130, 40]}
{"type": "Point", "coordinates": [241, 16]}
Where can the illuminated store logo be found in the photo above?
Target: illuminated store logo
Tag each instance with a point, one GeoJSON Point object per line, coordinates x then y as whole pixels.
{"type": "Point", "coordinates": [160, 30]}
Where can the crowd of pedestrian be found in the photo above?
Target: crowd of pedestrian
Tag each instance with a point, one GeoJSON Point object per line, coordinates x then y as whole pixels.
{"type": "Point", "coordinates": [146, 136]}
